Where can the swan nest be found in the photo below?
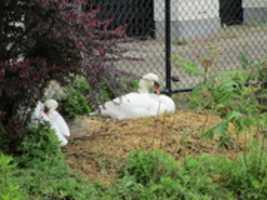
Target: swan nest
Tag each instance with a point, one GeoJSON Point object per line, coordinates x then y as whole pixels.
{"type": "Point", "coordinates": [98, 147]}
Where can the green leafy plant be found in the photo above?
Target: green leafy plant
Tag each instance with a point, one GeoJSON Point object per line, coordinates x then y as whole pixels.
{"type": "Point", "coordinates": [204, 65]}
{"type": "Point", "coordinates": [42, 172]}
{"type": "Point", "coordinates": [149, 166]}
{"type": "Point", "coordinates": [247, 175]}
{"type": "Point", "coordinates": [9, 187]}
{"type": "Point", "coordinates": [188, 66]}
{"type": "Point", "coordinates": [151, 175]}
{"type": "Point", "coordinates": [134, 84]}
{"type": "Point", "coordinates": [76, 102]}
{"type": "Point", "coordinates": [125, 188]}
{"type": "Point", "coordinates": [40, 145]}
{"type": "Point", "coordinates": [237, 96]}
{"type": "Point", "coordinates": [156, 175]}
{"type": "Point", "coordinates": [55, 182]}
{"type": "Point", "coordinates": [228, 96]}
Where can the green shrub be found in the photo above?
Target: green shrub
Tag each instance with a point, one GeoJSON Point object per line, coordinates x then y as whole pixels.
{"type": "Point", "coordinates": [43, 173]}
{"type": "Point", "coordinates": [236, 103]}
{"type": "Point", "coordinates": [156, 175]}
{"type": "Point", "coordinates": [9, 187]}
{"type": "Point", "coordinates": [45, 181]}
{"type": "Point", "coordinates": [146, 167]}
{"type": "Point", "coordinates": [248, 175]}
{"type": "Point", "coordinates": [192, 182]}
{"type": "Point", "coordinates": [198, 177]}
{"type": "Point", "coordinates": [55, 182]}
{"type": "Point", "coordinates": [134, 85]}
{"type": "Point", "coordinates": [40, 145]}
{"type": "Point", "coordinates": [151, 175]}
{"type": "Point", "coordinates": [126, 188]}
{"type": "Point", "coordinates": [221, 178]}
{"type": "Point", "coordinates": [76, 102]}
{"type": "Point", "coordinates": [171, 189]}
{"type": "Point", "coordinates": [221, 93]}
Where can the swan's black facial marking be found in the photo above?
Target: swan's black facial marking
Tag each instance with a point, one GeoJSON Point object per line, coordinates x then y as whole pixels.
{"type": "Point", "coordinates": [156, 84]}
{"type": "Point", "coordinates": [156, 87]}
{"type": "Point", "coordinates": [46, 109]}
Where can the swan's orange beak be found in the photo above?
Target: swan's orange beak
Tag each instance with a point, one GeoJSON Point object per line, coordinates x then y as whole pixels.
{"type": "Point", "coordinates": [157, 88]}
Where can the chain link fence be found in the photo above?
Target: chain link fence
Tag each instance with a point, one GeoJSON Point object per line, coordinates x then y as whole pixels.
{"type": "Point", "coordinates": [215, 30]}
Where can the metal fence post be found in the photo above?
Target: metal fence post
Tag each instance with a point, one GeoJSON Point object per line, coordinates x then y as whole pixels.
{"type": "Point", "coordinates": [168, 46]}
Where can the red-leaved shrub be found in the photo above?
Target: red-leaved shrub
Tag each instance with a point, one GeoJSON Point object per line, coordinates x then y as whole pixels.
{"type": "Point", "coordinates": [42, 40]}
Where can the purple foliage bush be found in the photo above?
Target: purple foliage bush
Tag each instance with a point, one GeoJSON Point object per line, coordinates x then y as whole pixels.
{"type": "Point", "coordinates": [41, 40]}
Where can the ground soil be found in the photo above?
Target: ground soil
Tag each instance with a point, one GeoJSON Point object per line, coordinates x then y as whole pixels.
{"type": "Point", "coordinates": [99, 147]}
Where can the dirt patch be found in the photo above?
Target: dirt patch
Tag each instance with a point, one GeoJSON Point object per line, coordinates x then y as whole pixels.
{"type": "Point", "coordinates": [98, 147]}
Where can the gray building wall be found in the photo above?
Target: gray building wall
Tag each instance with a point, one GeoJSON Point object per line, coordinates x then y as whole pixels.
{"type": "Point", "coordinates": [200, 18]}
{"type": "Point", "coordinates": [190, 18]}
{"type": "Point", "coordinates": [255, 11]}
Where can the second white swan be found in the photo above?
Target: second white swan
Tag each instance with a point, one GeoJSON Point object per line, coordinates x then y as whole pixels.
{"type": "Point", "coordinates": [146, 102]}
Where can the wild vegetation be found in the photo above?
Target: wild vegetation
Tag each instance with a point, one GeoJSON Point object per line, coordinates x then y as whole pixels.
{"type": "Point", "coordinates": [145, 175]}
{"type": "Point", "coordinates": [36, 50]}
{"type": "Point", "coordinates": [39, 170]}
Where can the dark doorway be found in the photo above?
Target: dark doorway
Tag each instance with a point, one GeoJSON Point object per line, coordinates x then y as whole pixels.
{"type": "Point", "coordinates": [231, 12]}
{"type": "Point", "coordinates": [138, 15]}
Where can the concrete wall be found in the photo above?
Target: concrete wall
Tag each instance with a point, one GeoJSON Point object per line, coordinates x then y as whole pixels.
{"type": "Point", "coordinates": [255, 11]}
{"type": "Point", "coordinates": [190, 18]}
{"type": "Point", "coordinates": [200, 18]}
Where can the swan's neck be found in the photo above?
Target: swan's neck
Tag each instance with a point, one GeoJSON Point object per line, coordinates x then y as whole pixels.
{"type": "Point", "coordinates": [50, 112]}
{"type": "Point", "coordinates": [143, 86]}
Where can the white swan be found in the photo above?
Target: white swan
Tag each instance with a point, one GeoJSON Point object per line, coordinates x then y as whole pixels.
{"type": "Point", "coordinates": [38, 115]}
{"type": "Point", "coordinates": [144, 103]}
{"type": "Point", "coordinates": [51, 105]}
{"type": "Point", "coordinates": [47, 112]}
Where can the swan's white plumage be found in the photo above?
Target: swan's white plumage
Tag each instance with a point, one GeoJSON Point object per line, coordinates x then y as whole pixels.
{"type": "Point", "coordinates": [38, 114]}
{"type": "Point", "coordinates": [54, 126]}
{"type": "Point", "coordinates": [55, 120]}
{"type": "Point", "coordinates": [167, 105]}
{"type": "Point", "coordinates": [136, 105]}
{"type": "Point", "coordinates": [139, 104]}
{"type": "Point", "coordinates": [55, 117]}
